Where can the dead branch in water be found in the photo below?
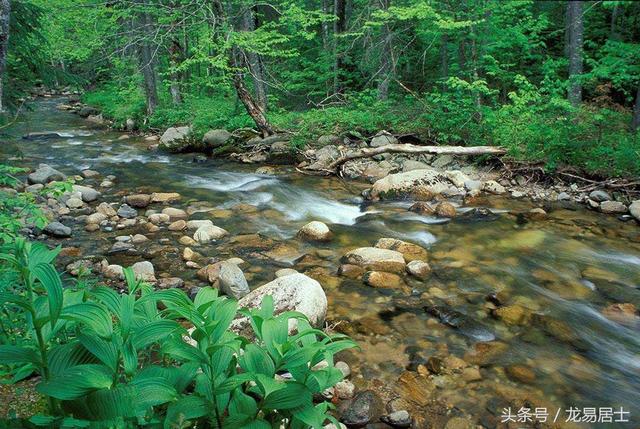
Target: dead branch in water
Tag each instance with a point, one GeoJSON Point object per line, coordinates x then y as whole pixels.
{"type": "Point", "coordinates": [414, 149]}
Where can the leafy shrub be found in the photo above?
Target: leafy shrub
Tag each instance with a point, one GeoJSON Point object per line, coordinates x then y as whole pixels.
{"type": "Point", "coordinates": [115, 360]}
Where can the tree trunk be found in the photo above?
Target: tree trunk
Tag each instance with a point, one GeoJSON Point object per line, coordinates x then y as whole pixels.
{"type": "Point", "coordinates": [575, 22]}
{"type": "Point", "coordinates": [5, 13]}
{"type": "Point", "coordinates": [635, 123]}
{"type": "Point", "coordinates": [147, 61]}
{"type": "Point", "coordinates": [614, 18]}
{"type": "Point", "coordinates": [175, 52]}
{"type": "Point", "coordinates": [325, 25]}
{"type": "Point", "coordinates": [339, 26]}
{"type": "Point", "coordinates": [444, 56]}
{"type": "Point", "coordinates": [236, 63]}
{"type": "Point", "coordinates": [256, 66]}
{"type": "Point", "coordinates": [387, 61]}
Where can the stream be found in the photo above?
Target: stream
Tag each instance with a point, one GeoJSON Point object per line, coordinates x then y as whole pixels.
{"type": "Point", "coordinates": [553, 347]}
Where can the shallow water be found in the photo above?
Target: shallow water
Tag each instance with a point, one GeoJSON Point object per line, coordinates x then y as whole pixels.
{"type": "Point", "coordinates": [562, 271]}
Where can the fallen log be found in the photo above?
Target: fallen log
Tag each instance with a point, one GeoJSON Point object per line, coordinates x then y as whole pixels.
{"type": "Point", "coordinates": [414, 149]}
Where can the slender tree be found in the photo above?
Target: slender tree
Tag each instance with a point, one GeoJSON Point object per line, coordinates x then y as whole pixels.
{"type": "Point", "coordinates": [5, 13]}
{"type": "Point", "coordinates": [387, 60]}
{"type": "Point", "coordinates": [339, 27]}
{"type": "Point", "coordinates": [574, 50]}
{"type": "Point", "coordinates": [635, 123]}
{"type": "Point", "coordinates": [147, 57]}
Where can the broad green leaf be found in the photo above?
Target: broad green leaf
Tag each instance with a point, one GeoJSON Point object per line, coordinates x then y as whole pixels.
{"type": "Point", "coordinates": [92, 315]}
{"type": "Point", "coordinates": [109, 297]}
{"type": "Point", "coordinates": [106, 404]}
{"type": "Point", "coordinates": [130, 279]}
{"type": "Point", "coordinates": [103, 349]}
{"type": "Point", "coordinates": [233, 382]}
{"type": "Point", "coordinates": [242, 404]}
{"type": "Point", "coordinates": [77, 381]}
{"type": "Point", "coordinates": [65, 356]}
{"type": "Point", "coordinates": [50, 280]}
{"type": "Point", "coordinates": [42, 420]}
{"type": "Point", "coordinates": [292, 395]}
{"type": "Point", "coordinates": [129, 358]}
{"type": "Point", "coordinates": [180, 350]}
{"type": "Point", "coordinates": [221, 357]}
{"type": "Point", "coordinates": [10, 298]}
{"type": "Point", "coordinates": [153, 332]}
{"type": "Point", "coordinates": [10, 355]}
{"type": "Point", "coordinates": [127, 303]}
{"type": "Point", "coordinates": [186, 408]}
{"type": "Point", "coordinates": [257, 361]}
{"type": "Point", "coordinates": [225, 311]}
{"type": "Point", "coordinates": [205, 295]}
{"type": "Point", "coordinates": [153, 391]}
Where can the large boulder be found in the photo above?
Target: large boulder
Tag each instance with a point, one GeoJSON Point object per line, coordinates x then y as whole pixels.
{"type": "Point", "coordinates": [45, 174]}
{"type": "Point", "coordinates": [87, 111]}
{"type": "Point", "coordinates": [57, 229]}
{"type": "Point", "coordinates": [410, 251]}
{"type": "Point", "coordinates": [215, 138]}
{"type": "Point", "coordinates": [634, 209]}
{"type": "Point", "coordinates": [315, 231]}
{"type": "Point", "coordinates": [295, 292]}
{"type": "Point", "coordinates": [144, 271]}
{"type": "Point", "coordinates": [176, 139]}
{"type": "Point", "coordinates": [324, 156]}
{"type": "Point", "coordinates": [138, 200]}
{"type": "Point", "coordinates": [207, 233]}
{"type": "Point", "coordinates": [375, 259]}
{"type": "Point", "coordinates": [383, 138]}
{"type": "Point", "coordinates": [400, 185]}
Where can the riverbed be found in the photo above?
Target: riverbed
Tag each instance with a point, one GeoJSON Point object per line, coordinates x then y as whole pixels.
{"type": "Point", "coordinates": [538, 287]}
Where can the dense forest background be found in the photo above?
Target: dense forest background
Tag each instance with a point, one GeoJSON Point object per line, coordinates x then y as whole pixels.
{"type": "Point", "coordinates": [555, 82]}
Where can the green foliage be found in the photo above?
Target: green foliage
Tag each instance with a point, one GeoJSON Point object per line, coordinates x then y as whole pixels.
{"type": "Point", "coordinates": [16, 208]}
{"type": "Point", "coordinates": [109, 359]}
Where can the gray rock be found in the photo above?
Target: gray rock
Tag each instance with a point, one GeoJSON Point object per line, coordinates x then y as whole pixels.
{"type": "Point", "coordinates": [197, 223]}
{"type": "Point", "coordinates": [45, 174]}
{"type": "Point", "coordinates": [170, 283]}
{"type": "Point", "coordinates": [442, 161]}
{"type": "Point", "coordinates": [493, 187]}
{"type": "Point", "coordinates": [599, 196]}
{"type": "Point", "coordinates": [634, 209]}
{"type": "Point", "coordinates": [232, 280]}
{"type": "Point", "coordinates": [324, 156]}
{"type": "Point", "coordinates": [144, 271]}
{"type": "Point", "coordinates": [285, 272]}
{"type": "Point", "coordinates": [613, 207]}
{"type": "Point", "coordinates": [398, 419]}
{"type": "Point", "coordinates": [121, 246]}
{"type": "Point", "coordinates": [402, 184]}
{"type": "Point", "coordinates": [127, 212]}
{"type": "Point", "coordinates": [88, 194]}
{"type": "Point", "coordinates": [96, 218]}
{"type": "Point", "coordinates": [315, 231]}
{"type": "Point", "coordinates": [296, 292]}
{"type": "Point", "coordinates": [216, 138]}
{"type": "Point", "coordinates": [563, 196]}
{"type": "Point", "coordinates": [87, 111]}
{"type": "Point", "coordinates": [327, 139]}
{"type": "Point", "coordinates": [56, 229]}
{"type": "Point", "coordinates": [114, 272]}
{"type": "Point", "coordinates": [138, 200]}
{"type": "Point", "coordinates": [382, 139]}
{"type": "Point", "coordinates": [176, 139]}
{"type": "Point", "coordinates": [207, 233]}
{"type": "Point", "coordinates": [366, 407]}
{"type": "Point", "coordinates": [473, 185]}
{"type": "Point", "coordinates": [373, 258]}
{"type": "Point", "coordinates": [74, 203]}
{"type": "Point", "coordinates": [410, 164]}
{"type": "Point", "coordinates": [42, 135]}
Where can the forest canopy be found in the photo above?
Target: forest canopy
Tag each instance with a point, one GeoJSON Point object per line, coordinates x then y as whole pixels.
{"type": "Point", "coordinates": [553, 82]}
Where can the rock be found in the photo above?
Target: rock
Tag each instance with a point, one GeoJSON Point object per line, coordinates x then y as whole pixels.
{"type": "Point", "coordinates": [612, 207]}
{"type": "Point", "coordinates": [176, 139]}
{"type": "Point", "coordinates": [266, 170]}
{"type": "Point", "coordinates": [344, 368]}
{"type": "Point", "coordinates": [493, 187]}
{"type": "Point", "coordinates": [79, 267]}
{"type": "Point", "coordinates": [95, 218]}
{"type": "Point", "coordinates": [170, 283]}
{"type": "Point", "coordinates": [130, 124]}
{"type": "Point", "coordinates": [127, 212]}
{"type": "Point", "coordinates": [442, 161]}
{"type": "Point", "coordinates": [512, 314]}
{"type": "Point", "coordinates": [216, 138]}
{"type": "Point", "coordinates": [56, 229]}
{"type": "Point", "coordinates": [471, 374]}
{"type": "Point", "coordinates": [195, 224]}
{"type": "Point", "coordinates": [445, 209]}
{"type": "Point", "coordinates": [138, 239]}
{"type": "Point", "coordinates": [106, 184]}
{"type": "Point", "coordinates": [175, 214]}
{"type": "Point", "coordinates": [232, 280]}
{"type": "Point", "coordinates": [375, 259]}
{"type": "Point", "coordinates": [326, 139]}
{"type": "Point", "coordinates": [74, 203]}
{"type": "Point", "coordinates": [634, 209]}
{"type": "Point", "coordinates": [410, 165]}
{"type": "Point", "coordinates": [521, 374]}
{"type": "Point", "coordinates": [87, 111]}
{"type": "Point", "coordinates": [459, 423]}
{"type": "Point", "coordinates": [383, 138]}
{"type": "Point", "coordinates": [344, 389]}
{"type": "Point", "coordinates": [410, 251]}
{"type": "Point", "coordinates": [164, 197]}
{"type": "Point", "coordinates": [366, 407]}
{"type": "Point", "coordinates": [419, 269]}
{"type": "Point", "coordinates": [422, 208]}
{"type": "Point", "coordinates": [398, 419]}
{"type": "Point", "coordinates": [625, 314]}
{"type": "Point", "coordinates": [178, 225]}
{"type": "Point", "coordinates": [285, 272]}
{"type": "Point", "coordinates": [91, 227]}
{"type": "Point", "coordinates": [144, 271]}
{"type": "Point", "coordinates": [350, 271]}
{"type": "Point", "coordinates": [159, 218]}
{"type": "Point", "coordinates": [400, 185]}
{"type": "Point", "coordinates": [207, 233]}
{"type": "Point", "coordinates": [35, 188]}
{"type": "Point", "coordinates": [189, 255]}
{"type": "Point", "coordinates": [186, 241]}
{"type": "Point", "coordinates": [324, 156]}
{"type": "Point", "coordinates": [463, 323]}
{"type": "Point", "coordinates": [485, 353]}
{"type": "Point", "coordinates": [380, 279]}
{"type": "Point", "coordinates": [88, 193]}
{"type": "Point", "coordinates": [45, 174]}
{"type": "Point", "coordinates": [537, 214]}
{"type": "Point", "coordinates": [237, 261]}
{"type": "Point", "coordinates": [296, 292]}
{"type": "Point", "coordinates": [563, 196]}
{"type": "Point", "coordinates": [115, 272]}
{"type": "Point", "coordinates": [457, 177]}
{"type": "Point", "coordinates": [43, 135]}
{"type": "Point", "coordinates": [599, 196]}
{"type": "Point", "coordinates": [315, 231]}
{"type": "Point", "coordinates": [473, 185]}
{"type": "Point", "coordinates": [138, 200]}
{"type": "Point", "coordinates": [120, 246]}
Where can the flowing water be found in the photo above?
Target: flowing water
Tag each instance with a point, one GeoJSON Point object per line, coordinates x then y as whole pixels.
{"type": "Point", "coordinates": [558, 274]}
